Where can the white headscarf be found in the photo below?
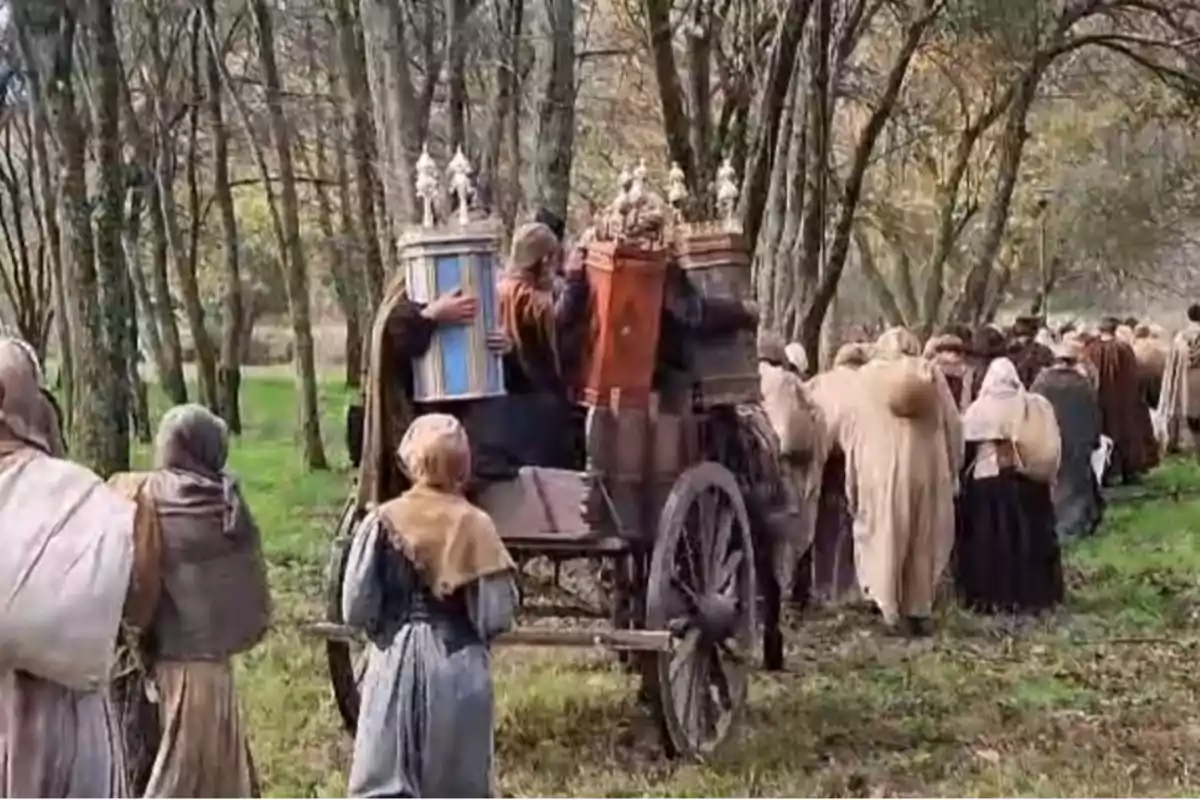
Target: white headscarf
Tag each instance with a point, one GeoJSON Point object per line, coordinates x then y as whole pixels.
{"type": "Point", "coordinates": [795, 354]}
{"type": "Point", "coordinates": [996, 413]}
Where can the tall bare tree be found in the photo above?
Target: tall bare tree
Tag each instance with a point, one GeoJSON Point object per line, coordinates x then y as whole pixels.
{"type": "Point", "coordinates": [292, 255]}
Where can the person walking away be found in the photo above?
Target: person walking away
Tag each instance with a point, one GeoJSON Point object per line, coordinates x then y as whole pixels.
{"type": "Point", "coordinates": [214, 604]}
{"type": "Point", "coordinates": [907, 452]}
{"type": "Point", "coordinates": [834, 392]}
{"type": "Point", "coordinates": [431, 583]}
{"type": "Point", "coordinates": [1078, 502]}
{"type": "Point", "coordinates": [1028, 355]}
{"type": "Point", "coordinates": [1179, 402]}
{"type": "Point", "coordinates": [1151, 352]}
{"type": "Point", "coordinates": [803, 445]}
{"type": "Point", "coordinates": [59, 738]}
{"type": "Point", "coordinates": [1006, 553]}
{"type": "Point", "coordinates": [1125, 415]}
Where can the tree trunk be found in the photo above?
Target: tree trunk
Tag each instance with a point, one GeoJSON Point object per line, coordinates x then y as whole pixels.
{"type": "Point", "coordinates": [818, 303]}
{"type": "Point", "coordinates": [345, 287]}
{"type": "Point", "coordinates": [399, 122]}
{"type": "Point", "coordinates": [973, 303]}
{"type": "Point", "coordinates": [49, 217]}
{"type": "Point", "coordinates": [292, 251]}
{"type": "Point", "coordinates": [93, 431]}
{"type": "Point", "coordinates": [556, 134]}
{"type": "Point", "coordinates": [356, 94]}
{"type": "Point", "coordinates": [158, 156]}
{"type": "Point", "coordinates": [186, 262]}
{"type": "Point", "coordinates": [230, 375]}
{"type": "Point", "coordinates": [457, 13]}
{"type": "Point", "coordinates": [140, 411]}
{"type": "Point", "coordinates": [170, 366]}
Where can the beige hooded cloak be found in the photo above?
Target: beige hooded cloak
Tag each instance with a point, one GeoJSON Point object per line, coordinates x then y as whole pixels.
{"type": "Point", "coordinates": [902, 477]}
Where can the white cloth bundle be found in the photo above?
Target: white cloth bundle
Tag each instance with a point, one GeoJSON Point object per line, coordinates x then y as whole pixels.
{"type": "Point", "coordinates": [65, 564]}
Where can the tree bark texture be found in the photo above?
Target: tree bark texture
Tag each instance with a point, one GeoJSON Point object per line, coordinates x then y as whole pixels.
{"type": "Point", "coordinates": [556, 134]}
{"type": "Point", "coordinates": [292, 255]}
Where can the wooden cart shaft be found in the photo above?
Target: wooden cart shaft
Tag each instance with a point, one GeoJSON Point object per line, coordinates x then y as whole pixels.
{"type": "Point", "coordinates": [631, 641]}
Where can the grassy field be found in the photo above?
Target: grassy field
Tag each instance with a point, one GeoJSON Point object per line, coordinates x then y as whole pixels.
{"type": "Point", "coordinates": [1098, 700]}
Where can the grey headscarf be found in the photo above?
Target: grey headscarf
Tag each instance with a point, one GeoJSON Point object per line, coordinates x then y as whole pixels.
{"type": "Point", "coordinates": [215, 595]}
{"type": "Point", "coordinates": [191, 448]}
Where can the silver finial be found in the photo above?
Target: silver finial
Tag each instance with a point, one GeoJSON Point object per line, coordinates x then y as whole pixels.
{"type": "Point", "coordinates": [727, 190]}
{"type": "Point", "coordinates": [427, 184]}
{"type": "Point", "coordinates": [676, 185]}
{"type": "Point", "coordinates": [459, 171]}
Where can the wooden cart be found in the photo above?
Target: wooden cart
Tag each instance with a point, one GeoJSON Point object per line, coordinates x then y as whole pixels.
{"type": "Point", "coordinates": [680, 550]}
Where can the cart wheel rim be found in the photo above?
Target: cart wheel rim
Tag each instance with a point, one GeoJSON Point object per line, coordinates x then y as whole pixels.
{"type": "Point", "coordinates": [702, 589]}
{"type": "Point", "coordinates": [345, 661]}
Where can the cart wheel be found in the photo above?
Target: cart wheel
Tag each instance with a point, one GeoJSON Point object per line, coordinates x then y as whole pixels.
{"type": "Point", "coordinates": [346, 661]}
{"type": "Point", "coordinates": [701, 588]}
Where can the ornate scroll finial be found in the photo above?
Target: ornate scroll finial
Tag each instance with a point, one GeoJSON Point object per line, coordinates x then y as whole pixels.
{"type": "Point", "coordinates": [459, 172]}
{"type": "Point", "coordinates": [727, 191]}
{"type": "Point", "coordinates": [427, 184]}
{"type": "Point", "coordinates": [676, 186]}
{"type": "Point", "coordinates": [638, 188]}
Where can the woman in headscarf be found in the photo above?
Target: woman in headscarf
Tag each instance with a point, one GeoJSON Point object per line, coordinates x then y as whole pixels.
{"type": "Point", "coordinates": [835, 392]}
{"type": "Point", "coordinates": [431, 583]}
{"type": "Point", "coordinates": [1078, 503]}
{"type": "Point", "coordinates": [214, 604]}
{"type": "Point", "coordinates": [55, 740]}
{"type": "Point", "coordinates": [1006, 554]}
{"type": "Point", "coordinates": [907, 447]}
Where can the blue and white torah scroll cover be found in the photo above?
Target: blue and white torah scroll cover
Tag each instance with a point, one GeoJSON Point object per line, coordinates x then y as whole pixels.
{"type": "Point", "coordinates": [458, 365]}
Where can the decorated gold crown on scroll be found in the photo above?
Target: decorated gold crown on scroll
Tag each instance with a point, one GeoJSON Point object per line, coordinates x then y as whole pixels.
{"type": "Point", "coordinates": [453, 207]}
{"type": "Point", "coordinates": [638, 214]}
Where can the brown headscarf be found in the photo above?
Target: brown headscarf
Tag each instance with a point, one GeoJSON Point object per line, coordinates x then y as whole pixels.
{"type": "Point", "coordinates": [27, 419]}
{"type": "Point", "coordinates": [448, 540]}
{"type": "Point", "coordinates": [526, 302]}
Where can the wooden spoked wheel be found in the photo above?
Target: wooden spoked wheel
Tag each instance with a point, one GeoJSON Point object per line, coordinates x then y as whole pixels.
{"type": "Point", "coordinates": [702, 589]}
{"type": "Point", "coordinates": [347, 661]}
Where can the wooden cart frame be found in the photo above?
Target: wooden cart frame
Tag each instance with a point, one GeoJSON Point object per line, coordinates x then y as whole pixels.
{"type": "Point", "coordinates": [682, 556]}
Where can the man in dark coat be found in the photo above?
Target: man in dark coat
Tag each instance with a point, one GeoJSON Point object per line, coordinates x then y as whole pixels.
{"type": "Point", "coordinates": [1028, 356]}
{"type": "Point", "coordinates": [1123, 409]}
{"type": "Point", "coordinates": [1078, 504]}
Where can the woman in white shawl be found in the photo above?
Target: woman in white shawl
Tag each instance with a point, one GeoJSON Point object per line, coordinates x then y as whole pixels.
{"type": "Point", "coordinates": [1006, 552]}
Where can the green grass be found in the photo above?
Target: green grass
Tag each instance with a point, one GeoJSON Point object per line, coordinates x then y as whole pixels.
{"type": "Point", "coordinates": [1099, 699]}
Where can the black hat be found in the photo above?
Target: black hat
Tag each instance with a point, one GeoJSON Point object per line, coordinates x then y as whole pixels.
{"type": "Point", "coordinates": [552, 221]}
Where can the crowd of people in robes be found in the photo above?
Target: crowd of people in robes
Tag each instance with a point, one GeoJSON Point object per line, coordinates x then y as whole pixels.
{"type": "Point", "coordinates": [973, 458]}
{"type": "Point", "coordinates": [965, 460]}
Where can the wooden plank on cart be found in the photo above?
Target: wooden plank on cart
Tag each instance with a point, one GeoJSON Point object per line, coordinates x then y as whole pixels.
{"type": "Point", "coordinates": [542, 503]}
{"type": "Point", "coordinates": [639, 641]}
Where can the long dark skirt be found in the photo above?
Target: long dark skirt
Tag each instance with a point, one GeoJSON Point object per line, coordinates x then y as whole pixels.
{"type": "Point", "coordinates": [832, 552]}
{"type": "Point", "coordinates": [1006, 552]}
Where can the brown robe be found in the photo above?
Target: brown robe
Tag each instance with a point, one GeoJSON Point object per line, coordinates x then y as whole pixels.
{"type": "Point", "coordinates": [1123, 409]}
{"type": "Point", "coordinates": [398, 335]}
